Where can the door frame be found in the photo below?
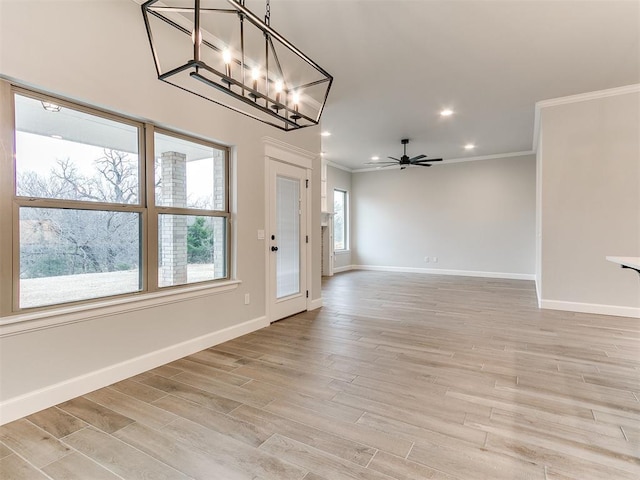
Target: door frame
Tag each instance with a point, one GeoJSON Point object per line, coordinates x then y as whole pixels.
{"type": "Point", "coordinates": [278, 151]}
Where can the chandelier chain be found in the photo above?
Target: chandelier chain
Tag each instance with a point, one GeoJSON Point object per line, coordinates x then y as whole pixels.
{"type": "Point", "coordinates": [267, 17]}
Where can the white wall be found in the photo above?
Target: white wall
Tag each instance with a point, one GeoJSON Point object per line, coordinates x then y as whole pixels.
{"type": "Point", "coordinates": [475, 217]}
{"type": "Point", "coordinates": [97, 52]}
{"type": "Point", "coordinates": [341, 179]}
{"type": "Point", "coordinates": [589, 157]}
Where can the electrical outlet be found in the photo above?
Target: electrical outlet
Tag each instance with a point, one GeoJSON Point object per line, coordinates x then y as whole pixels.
{"type": "Point", "coordinates": [435, 259]}
{"type": "Point", "coordinates": [247, 299]}
{"type": "Point", "coordinates": [426, 259]}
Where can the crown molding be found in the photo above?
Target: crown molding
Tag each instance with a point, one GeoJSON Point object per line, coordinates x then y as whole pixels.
{"type": "Point", "coordinates": [463, 159]}
{"type": "Point", "coordinates": [581, 97]}
{"type": "Point", "coordinates": [338, 166]}
{"type": "Point", "coordinates": [488, 157]}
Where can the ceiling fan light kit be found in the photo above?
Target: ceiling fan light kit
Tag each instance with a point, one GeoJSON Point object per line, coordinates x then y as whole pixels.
{"type": "Point", "coordinates": [235, 60]}
{"type": "Point", "coordinates": [404, 161]}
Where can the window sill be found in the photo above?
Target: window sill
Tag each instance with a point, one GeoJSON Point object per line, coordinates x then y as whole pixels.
{"type": "Point", "coordinates": [26, 322]}
{"type": "Point", "coordinates": [342, 252]}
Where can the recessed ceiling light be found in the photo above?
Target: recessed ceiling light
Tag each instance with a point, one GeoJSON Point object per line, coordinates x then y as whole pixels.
{"type": "Point", "coordinates": [447, 112]}
{"type": "Point", "coordinates": [469, 146]}
{"type": "Point", "coordinates": [375, 159]}
{"type": "Point", "coordinates": [326, 134]}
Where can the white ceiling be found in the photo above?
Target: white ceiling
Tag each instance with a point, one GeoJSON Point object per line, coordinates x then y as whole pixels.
{"type": "Point", "coordinates": [397, 63]}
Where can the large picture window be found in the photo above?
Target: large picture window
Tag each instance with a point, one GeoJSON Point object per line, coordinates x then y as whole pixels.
{"type": "Point", "coordinates": [340, 230]}
{"type": "Point", "coordinates": [93, 210]}
{"type": "Point", "coordinates": [77, 185]}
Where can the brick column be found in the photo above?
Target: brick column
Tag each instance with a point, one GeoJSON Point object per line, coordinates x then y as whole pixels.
{"type": "Point", "coordinates": [173, 244]}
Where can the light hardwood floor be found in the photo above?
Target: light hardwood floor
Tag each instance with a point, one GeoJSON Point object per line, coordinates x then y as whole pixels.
{"type": "Point", "coordinates": [398, 376]}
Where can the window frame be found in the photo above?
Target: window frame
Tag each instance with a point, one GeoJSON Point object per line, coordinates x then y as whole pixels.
{"type": "Point", "coordinates": [345, 221]}
{"type": "Point", "coordinates": [11, 203]}
{"type": "Point", "coordinates": [157, 210]}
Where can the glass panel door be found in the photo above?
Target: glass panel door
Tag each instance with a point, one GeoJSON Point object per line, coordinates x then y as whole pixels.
{"type": "Point", "coordinates": [287, 240]}
{"type": "Point", "coordinates": [287, 236]}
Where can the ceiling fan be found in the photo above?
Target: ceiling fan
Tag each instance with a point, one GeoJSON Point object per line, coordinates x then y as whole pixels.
{"type": "Point", "coordinates": [404, 160]}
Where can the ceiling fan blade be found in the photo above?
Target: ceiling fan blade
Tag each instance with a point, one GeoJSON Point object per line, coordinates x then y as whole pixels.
{"type": "Point", "coordinates": [421, 164]}
{"type": "Point", "coordinates": [419, 157]}
{"type": "Point", "coordinates": [394, 158]}
{"type": "Point", "coordinates": [427, 160]}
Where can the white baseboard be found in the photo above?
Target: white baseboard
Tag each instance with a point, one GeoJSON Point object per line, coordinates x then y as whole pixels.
{"type": "Point", "coordinates": [538, 294]}
{"type": "Point", "coordinates": [315, 303]}
{"type": "Point", "coordinates": [437, 271]}
{"type": "Point", "coordinates": [346, 268]}
{"type": "Point", "coordinates": [23, 405]}
{"type": "Point", "coordinates": [598, 309]}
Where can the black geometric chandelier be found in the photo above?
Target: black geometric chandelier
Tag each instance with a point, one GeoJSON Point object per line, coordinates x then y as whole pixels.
{"type": "Point", "coordinates": [221, 51]}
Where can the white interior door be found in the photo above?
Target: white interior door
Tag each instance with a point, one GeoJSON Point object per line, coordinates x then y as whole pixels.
{"type": "Point", "coordinates": [287, 240]}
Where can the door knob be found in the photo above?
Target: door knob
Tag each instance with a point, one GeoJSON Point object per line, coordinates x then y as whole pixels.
{"type": "Point", "coordinates": [274, 249]}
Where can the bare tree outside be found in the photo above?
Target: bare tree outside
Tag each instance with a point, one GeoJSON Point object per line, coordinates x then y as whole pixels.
{"type": "Point", "coordinates": [56, 241]}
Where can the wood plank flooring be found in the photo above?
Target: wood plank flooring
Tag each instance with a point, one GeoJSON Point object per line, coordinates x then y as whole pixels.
{"type": "Point", "coordinates": [398, 376]}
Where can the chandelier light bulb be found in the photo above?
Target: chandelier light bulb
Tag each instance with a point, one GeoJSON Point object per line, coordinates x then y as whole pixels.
{"type": "Point", "coordinates": [255, 75]}
{"type": "Point", "coordinates": [295, 97]}
{"type": "Point", "coordinates": [226, 58]}
{"type": "Point", "coordinates": [278, 90]}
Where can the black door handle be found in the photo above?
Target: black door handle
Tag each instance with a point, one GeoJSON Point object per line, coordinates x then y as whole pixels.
{"type": "Point", "coordinates": [274, 249]}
